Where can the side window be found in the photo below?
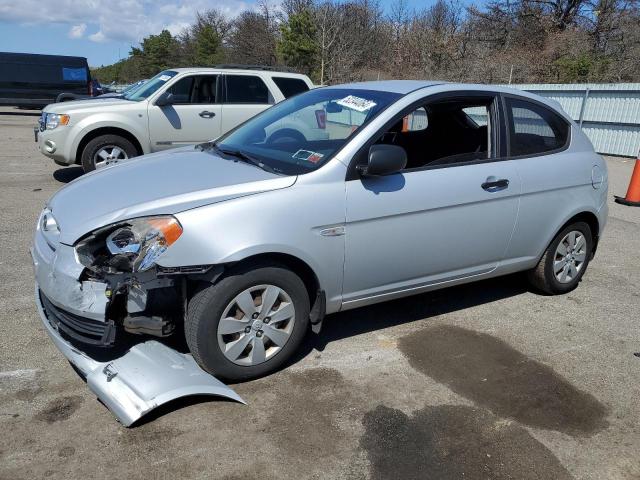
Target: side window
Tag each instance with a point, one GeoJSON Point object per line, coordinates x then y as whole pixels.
{"type": "Point", "coordinates": [181, 90]}
{"type": "Point", "coordinates": [205, 90]}
{"type": "Point", "coordinates": [195, 89]}
{"type": "Point", "coordinates": [445, 132]}
{"type": "Point", "coordinates": [478, 115]}
{"type": "Point", "coordinates": [290, 86]}
{"type": "Point", "coordinates": [247, 89]}
{"type": "Point", "coordinates": [415, 121]}
{"type": "Point", "coordinates": [534, 129]}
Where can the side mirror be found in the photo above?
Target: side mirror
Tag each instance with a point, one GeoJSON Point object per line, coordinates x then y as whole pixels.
{"type": "Point", "coordinates": [165, 99]}
{"type": "Point", "coordinates": [384, 160]}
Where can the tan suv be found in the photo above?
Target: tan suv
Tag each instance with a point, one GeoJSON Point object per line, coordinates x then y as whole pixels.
{"type": "Point", "coordinates": [177, 107]}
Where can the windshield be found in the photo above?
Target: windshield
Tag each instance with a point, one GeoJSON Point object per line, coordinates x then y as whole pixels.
{"type": "Point", "coordinates": [148, 88]}
{"type": "Point", "coordinates": [299, 135]}
{"type": "Point", "coordinates": [133, 86]}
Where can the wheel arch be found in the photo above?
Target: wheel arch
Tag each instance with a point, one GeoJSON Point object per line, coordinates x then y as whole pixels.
{"type": "Point", "coordinates": [586, 216]}
{"type": "Point", "coordinates": [590, 219]}
{"type": "Point", "coordinates": [295, 264]}
{"type": "Point", "coordinates": [107, 131]}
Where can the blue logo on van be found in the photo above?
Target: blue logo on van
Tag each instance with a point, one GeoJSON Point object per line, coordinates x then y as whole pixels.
{"type": "Point", "coordinates": [74, 74]}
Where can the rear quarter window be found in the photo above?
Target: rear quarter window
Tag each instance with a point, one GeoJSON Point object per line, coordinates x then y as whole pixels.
{"type": "Point", "coordinates": [534, 129]}
{"type": "Point", "coordinates": [290, 86]}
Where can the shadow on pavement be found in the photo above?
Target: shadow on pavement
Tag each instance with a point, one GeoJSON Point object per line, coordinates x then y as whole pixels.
{"type": "Point", "coordinates": [67, 174]}
{"type": "Point", "coordinates": [409, 309]}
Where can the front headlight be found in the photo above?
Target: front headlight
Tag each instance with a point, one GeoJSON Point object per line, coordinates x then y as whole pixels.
{"type": "Point", "coordinates": [56, 119]}
{"type": "Point", "coordinates": [131, 246]}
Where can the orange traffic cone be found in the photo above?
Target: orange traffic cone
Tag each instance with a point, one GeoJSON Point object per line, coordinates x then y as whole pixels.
{"type": "Point", "coordinates": [633, 193]}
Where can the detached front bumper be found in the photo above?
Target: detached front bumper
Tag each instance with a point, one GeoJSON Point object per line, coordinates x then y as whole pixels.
{"type": "Point", "coordinates": [131, 384]}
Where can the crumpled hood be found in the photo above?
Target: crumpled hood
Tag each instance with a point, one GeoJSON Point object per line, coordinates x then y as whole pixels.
{"type": "Point", "coordinates": [161, 183]}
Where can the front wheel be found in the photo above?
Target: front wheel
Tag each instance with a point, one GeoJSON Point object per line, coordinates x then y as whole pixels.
{"type": "Point", "coordinates": [565, 261]}
{"type": "Point", "coordinates": [249, 323]}
{"type": "Point", "coordinates": [106, 150]}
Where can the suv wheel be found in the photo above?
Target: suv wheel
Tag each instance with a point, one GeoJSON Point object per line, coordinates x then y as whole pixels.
{"type": "Point", "coordinates": [249, 323]}
{"type": "Point", "coordinates": [106, 150]}
{"type": "Point", "coordinates": [565, 261]}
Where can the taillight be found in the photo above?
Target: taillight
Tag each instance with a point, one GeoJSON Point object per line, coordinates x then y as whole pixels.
{"type": "Point", "coordinates": [321, 119]}
{"type": "Point", "coordinates": [90, 88]}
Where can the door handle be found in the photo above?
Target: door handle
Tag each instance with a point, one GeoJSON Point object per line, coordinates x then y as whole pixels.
{"type": "Point", "coordinates": [207, 114]}
{"type": "Point", "coordinates": [492, 184]}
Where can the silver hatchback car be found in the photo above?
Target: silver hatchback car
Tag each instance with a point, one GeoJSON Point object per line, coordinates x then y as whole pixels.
{"type": "Point", "coordinates": [243, 244]}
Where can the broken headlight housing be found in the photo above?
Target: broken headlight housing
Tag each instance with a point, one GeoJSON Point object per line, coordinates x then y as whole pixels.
{"type": "Point", "coordinates": [130, 246]}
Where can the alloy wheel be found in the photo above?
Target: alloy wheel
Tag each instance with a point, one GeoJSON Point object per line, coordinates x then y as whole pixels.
{"type": "Point", "coordinates": [256, 325]}
{"type": "Point", "coordinates": [109, 155]}
{"type": "Point", "coordinates": [570, 257]}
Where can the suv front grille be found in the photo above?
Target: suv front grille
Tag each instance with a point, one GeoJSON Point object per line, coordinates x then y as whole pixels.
{"type": "Point", "coordinates": [84, 330]}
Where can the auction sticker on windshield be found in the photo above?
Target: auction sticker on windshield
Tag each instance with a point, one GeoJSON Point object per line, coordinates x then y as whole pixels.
{"type": "Point", "coordinates": [164, 78]}
{"type": "Point", "coordinates": [356, 103]}
{"type": "Point", "coordinates": [308, 155]}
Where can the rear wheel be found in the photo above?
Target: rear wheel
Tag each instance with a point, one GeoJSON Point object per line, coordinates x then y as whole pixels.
{"type": "Point", "coordinates": [106, 150]}
{"type": "Point", "coordinates": [249, 323]}
{"type": "Point", "coordinates": [565, 261]}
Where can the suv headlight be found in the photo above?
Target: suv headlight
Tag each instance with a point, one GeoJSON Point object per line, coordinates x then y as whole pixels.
{"type": "Point", "coordinates": [56, 119]}
{"type": "Point", "coordinates": [130, 246]}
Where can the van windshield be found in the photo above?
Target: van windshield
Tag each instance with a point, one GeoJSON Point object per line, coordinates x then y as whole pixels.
{"type": "Point", "coordinates": [302, 133]}
{"type": "Point", "coordinates": [150, 87]}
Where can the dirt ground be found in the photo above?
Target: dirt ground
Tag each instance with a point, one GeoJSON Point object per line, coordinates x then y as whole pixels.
{"type": "Point", "coordinates": [487, 380]}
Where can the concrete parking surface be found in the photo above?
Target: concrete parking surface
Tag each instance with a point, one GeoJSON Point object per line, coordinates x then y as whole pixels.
{"type": "Point", "coordinates": [487, 380]}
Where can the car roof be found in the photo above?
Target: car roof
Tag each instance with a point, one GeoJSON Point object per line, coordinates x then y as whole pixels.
{"type": "Point", "coordinates": [236, 70]}
{"type": "Point", "coordinates": [405, 87]}
{"type": "Point", "coordinates": [396, 86]}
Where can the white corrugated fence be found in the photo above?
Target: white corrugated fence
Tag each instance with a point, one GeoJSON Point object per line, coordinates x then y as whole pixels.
{"type": "Point", "coordinates": [609, 113]}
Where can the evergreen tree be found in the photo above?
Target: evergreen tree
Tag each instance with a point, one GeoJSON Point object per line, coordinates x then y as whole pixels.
{"type": "Point", "coordinates": [299, 45]}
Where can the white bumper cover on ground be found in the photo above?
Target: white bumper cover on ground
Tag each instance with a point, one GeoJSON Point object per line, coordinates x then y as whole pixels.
{"type": "Point", "coordinates": [147, 376]}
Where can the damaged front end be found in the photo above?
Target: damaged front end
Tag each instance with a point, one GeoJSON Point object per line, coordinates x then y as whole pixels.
{"type": "Point", "coordinates": [105, 290]}
{"type": "Point", "coordinates": [122, 257]}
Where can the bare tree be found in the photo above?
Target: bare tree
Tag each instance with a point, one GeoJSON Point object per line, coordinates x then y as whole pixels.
{"type": "Point", "coordinates": [253, 37]}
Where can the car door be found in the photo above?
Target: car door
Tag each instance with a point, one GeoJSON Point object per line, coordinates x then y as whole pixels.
{"type": "Point", "coordinates": [245, 96]}
{"type": "Point", "coordinates": [193, 117]}
{"type": "Point", "coordinates": [425, 226]}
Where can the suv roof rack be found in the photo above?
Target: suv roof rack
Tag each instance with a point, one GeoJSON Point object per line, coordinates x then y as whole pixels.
{"type": "Point", "coordinates": [274, 68]}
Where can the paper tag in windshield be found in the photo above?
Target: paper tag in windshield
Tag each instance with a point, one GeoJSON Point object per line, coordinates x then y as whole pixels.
{"type": "Point", "coordinates": [164, 78]}
{"type": "Point", "coordinates": [308, 156]}
{"type": "Point", "coordinates": [356, 103]}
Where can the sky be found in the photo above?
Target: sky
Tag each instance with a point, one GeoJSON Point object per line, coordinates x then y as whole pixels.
{"type": "Point", "coordinates": [103, 30]}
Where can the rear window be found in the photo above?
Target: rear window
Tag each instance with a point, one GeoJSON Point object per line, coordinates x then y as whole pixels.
{"type": "Point", "coordinates": [290, 86]}
{"type": "Point", "coordinates": [246, 89]}
{"type": "Point", "coordinates": [534, 129]}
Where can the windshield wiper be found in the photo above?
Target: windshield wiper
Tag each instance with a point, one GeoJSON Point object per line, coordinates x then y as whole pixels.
{"type": "Point", "coordinates": [245, 157]}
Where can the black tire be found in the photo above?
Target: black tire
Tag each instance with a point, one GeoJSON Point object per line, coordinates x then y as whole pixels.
{"type": "Point", "coordinates": [542, 277]}
{"type": "Point", "coordinates": [206, 307]}
{"type": "Point", "coordinates": [91, 148]}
